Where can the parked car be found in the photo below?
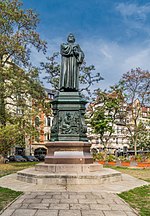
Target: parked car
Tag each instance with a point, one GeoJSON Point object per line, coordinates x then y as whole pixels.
{"type": "Point", "coordinates": [41, 157]}
{"type": "Point", "coordinates": [16, 158]}
{"type": "Point", "coordinates": [6, 160]}
{"type": "Point", "coordinates": [3, 159]}
{"type": "Point", "coordinates": [30, 158]}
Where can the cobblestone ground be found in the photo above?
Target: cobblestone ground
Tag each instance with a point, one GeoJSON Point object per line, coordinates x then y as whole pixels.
{"type": "Point", "coordinates": [69, 204]}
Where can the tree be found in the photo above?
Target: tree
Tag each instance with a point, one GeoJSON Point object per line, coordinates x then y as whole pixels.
{"type": "Point", "coordinates": [19, 80]}
{"type": "Point", "coordinates": [143, 136]}
{"type": "Point", "coordinates": [136, 91]}
{"type": "Point", "coordinates": [88, 77]}
{"type": "Point", "coordinates": [105, 113]}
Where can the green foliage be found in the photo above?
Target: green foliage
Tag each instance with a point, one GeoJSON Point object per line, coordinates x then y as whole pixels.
{"type": "Point", "coordinates": [102, 156]}
{"type": "Point", "coordinates": [19, 80]}
{"type": "Point", "coordinates": [8, 137]}
{"type": "Point", "coordinates": [17, 35]}
{"type": "Point", "coordinates": [110, 158]}
{"type": "Point", "coordinates": [14, 134]}
{"type": "Point", "coordinates": [18, 32]}
{"type": "Point", "coordinates": [123, 159]}
{"type": "Point", "coordinates": [105, 112]}
{"type": "Point", "coordinates": [143, 136]}
{"type": "Point", "coordinates": [99, 156]}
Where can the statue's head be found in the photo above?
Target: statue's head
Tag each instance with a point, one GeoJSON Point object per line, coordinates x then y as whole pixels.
{"type": "Point", "coordinates": [71, 38]}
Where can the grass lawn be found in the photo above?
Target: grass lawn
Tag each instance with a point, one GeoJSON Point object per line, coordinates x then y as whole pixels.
{"type": "Point", "coordinates": [13, 167]}
{"type": "Point", "coordinates": [139, 199]}
{"type": "Point", "coordinates": [143, 174]}
{"type": "Point", "coordinates": [7, 196]}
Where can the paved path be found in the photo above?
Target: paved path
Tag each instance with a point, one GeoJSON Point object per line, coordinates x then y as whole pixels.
{"type": "Point", "coordinates": [89, 200]}
{"type": "Point", "coordinates": [69, 204]}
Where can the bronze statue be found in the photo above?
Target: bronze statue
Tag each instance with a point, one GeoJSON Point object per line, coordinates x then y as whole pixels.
{"type": "Point", "coordinates": [72, 58]}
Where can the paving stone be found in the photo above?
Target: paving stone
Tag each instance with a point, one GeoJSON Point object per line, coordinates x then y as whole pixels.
{"type": "Point", "coordinates": [104, 201]}
{"type": "Point", "coordinates": [24, 206]}
{"type": "Point", "coordinates": [70, 213]}
{"type": "Point", "coordinates": [69, 201]}
{"type": "Point", "coordinates": [92, 213]}
{"type": "Point", "coordinates": [32, 201]}
{"type": "Point", "coordinates": [59, 206]}
{"type": "Point", "coordinates": [44, 196]}
{"type": "Point", "coordinates": [70, 192]}
{"type": "Point", "coordinates": [114, 213]}
{"type": "Point", "coordinates": [131, 213]}
{"type": "Point", "coordinates": [79, 206]}
{"type": "Point", "coordinates": [93, 196]}
{"type": "Point", "coordinates": [24, 212]}
{"type": "Point", "coordinates": [15, 205]}
{"type": "Point", "coordinates": [7, 212]}
{"type": "Point", "coordinates": [77, 196]}
{"type": "Point", "coordinates": [120, 207]}
{"type": "Point", "coordinates": [87, 201]}
{"type": "Point", "coordinates": [69, 204]}
{"type": "Point", "coordinates": [19, 200]}
{"type": "Point", "coordinates": [51, 201]}
{"type": "Point", "coordinates": [29, 196]}
{"type": "Point", "coordinates": [119, 201]}
{"type": "Point", "coordinates": [109, 196]}
{"type": "Point", "coordinates": [98, 194]}
{"type": "Point", "coordinates": [38, 206]}
{"type": "Point", "coordinates": [53, 193]}
{"type": "Point", "coordinates": [100, 206]}
{"type": "Point", "coordinates": [47, 213]}
{"type": "Point", "coordinates": [61, 196]}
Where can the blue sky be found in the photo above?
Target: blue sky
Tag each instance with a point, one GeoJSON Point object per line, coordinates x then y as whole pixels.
{"type": "Point", "coordinates": [114, 34]}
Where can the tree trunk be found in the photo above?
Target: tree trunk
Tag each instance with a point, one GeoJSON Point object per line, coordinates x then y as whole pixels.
{"type": "Point", "coordinates": [135, 147]}
{"type": "Point", "coordinates": [2, 103]}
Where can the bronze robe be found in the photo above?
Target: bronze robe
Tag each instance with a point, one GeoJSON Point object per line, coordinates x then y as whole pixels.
{"type": "Point", "coordinates": [72, 57]}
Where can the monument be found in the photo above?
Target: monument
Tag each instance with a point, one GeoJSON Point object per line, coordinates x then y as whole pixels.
{"type": "Point", "coordinates": [69, 143]}
{"type": "Point", "coordinates": [68, 161]}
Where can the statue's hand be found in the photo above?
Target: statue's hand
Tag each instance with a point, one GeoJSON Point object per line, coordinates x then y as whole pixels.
{"type": "Point", "coordinates": [76, 53]}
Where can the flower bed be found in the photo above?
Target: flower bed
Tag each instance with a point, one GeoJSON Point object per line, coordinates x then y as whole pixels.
{"type": "Point", "coordinates": [143, 164]}
{"type": "Point", "coordinates": [126, 164]}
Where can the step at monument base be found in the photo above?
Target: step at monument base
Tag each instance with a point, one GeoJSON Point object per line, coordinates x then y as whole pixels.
{"type": "Point", "coordinates": [93, 174]}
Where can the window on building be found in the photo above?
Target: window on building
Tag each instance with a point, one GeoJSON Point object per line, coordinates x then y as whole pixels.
{"type": "Point", "coordinates": [37, 121]}
{"type": "Point", "coordinates": [48, 121]}
{"type": "Point", "coordinates": [48, 136]}
{"type": "Point", "coordinates": [19, 111]}
{"type": "Point", "coordinates": [50, 96]}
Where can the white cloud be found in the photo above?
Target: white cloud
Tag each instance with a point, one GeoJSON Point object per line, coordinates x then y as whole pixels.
{"type": "Point", "coordinates": [127, 10]}
{"type": "Point", "coordinates": [135, 17]}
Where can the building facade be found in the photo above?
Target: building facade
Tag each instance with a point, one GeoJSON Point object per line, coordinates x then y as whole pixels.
{"type": "Point", "coordinates": [121, 137]}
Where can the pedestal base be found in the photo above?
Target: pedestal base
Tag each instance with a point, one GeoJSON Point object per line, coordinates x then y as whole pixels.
{"type": "Point", "coordinates": [65, 174]}
{"type": "Point", "coordinates": [68, 153]}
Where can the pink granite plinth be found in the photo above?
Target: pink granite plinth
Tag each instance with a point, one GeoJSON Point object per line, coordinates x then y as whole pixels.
{"type": "Point", "coordinates": [67, 152]}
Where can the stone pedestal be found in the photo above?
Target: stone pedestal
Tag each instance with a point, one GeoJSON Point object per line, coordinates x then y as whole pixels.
{"type": "Point", "coordinates": [68, 122]}
{"type": "Point", "coordinates": [69, 143]}
{"type": "Point", "coordinates": [75, 152]}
